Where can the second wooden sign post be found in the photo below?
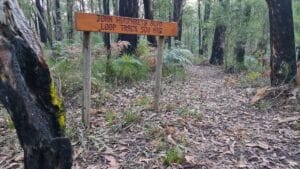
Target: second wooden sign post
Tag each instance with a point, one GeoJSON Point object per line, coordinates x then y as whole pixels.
{"type": "Point", "coordinates": [123, 25]}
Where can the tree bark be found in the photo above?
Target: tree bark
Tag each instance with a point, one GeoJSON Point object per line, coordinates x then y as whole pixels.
{"type": "Point", "coordinates": [217, 55]}
{"type": "Point", "coordinates": [70, 7]}
{"type": "Point", "coordinates": [27, 91]}
{"type": "Point", "coordinates": [58, 25]}
{"type": "Point", "coordinates": [149, 15]}
{"type": "Point", "coordinates": [129, 9]}
{"type": "Point", "coordinates": [282, 40]}
{"type": "Point", "coordinates": [177, 17]}
{"type": "Point", "coordinates": [99, 7]}
{"type": "Point", "coordinates": [206, 17]}
{"type": "Point", "coordinates": [41, 18]}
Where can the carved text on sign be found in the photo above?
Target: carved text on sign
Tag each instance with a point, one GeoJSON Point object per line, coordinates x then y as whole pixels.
{"type": "Point", "coordinates": [124, 25]}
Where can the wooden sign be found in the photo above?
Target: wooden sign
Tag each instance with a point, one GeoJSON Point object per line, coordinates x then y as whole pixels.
{"type": "Point", "coordinates": [124, 25]}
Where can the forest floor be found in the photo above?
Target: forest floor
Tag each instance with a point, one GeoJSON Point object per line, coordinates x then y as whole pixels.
{"type": "Point", "coordinates": [206, 121]}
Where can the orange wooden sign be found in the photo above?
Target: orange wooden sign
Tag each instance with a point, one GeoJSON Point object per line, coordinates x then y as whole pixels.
{"type": "Point", "coordinates": [124, 25]}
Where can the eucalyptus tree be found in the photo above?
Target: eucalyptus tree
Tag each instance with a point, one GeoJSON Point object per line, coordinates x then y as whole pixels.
{"type": "Point", "coordinates": [282, 38]}
{"type": "Point", "coordinates": [218, 46]}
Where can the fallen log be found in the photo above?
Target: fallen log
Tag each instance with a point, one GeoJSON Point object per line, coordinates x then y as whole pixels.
{"type": "Point", "coordinates": [28, 93]}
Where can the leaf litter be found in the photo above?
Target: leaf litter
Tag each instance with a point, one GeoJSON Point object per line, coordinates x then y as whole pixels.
{"type": "Point", "coordinates": [209, 117]}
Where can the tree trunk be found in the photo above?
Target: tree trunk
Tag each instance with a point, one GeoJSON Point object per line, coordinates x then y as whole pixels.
{"type": "Point", "coordinates": [217, 55]}
{"type": "Point", "coordinates": [177, 17]}
{"type": "Point", "coordinates": [70, 7]}
{"type": "Point", "coordinates": [199, 27]}
{"type": "Point", "coordinates": [149, 15]}
{"type": "Point", "coordinates": [92, 6]}
{"type": "Point", "coordinates": [82, 6]}
{"type": "Point", "coordinates": [58, 25]}
{"type": "Point", "coordinates": [129, 9]}
{"type": "Point", "coordinates": [205, 30]}
{"type": "Point", "coordinates": [282, 40]}
{"type": "Point", "coordinates": [28, 93]}
{"type": "Point", "coordinates": [41, 18]}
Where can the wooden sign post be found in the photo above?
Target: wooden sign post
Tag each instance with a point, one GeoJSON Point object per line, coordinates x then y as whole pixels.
{"type": "Point", "coordinates": [123, 25]}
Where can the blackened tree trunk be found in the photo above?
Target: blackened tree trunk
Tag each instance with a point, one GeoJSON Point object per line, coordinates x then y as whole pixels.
{"type": "Point", "coordinates": [148, 8]}
{"type": "Point", "coordinates": [28, 93]}
{"type": "Point", "coordinates": [58, 25]}
{"type": "Point", "coordinates": [199, 26]}
{"type": "Point", "coordinates": [129, 8]}
{"type": "Point", "coordinates": [217, 55]}
{"type": "Point", "coordinates": [41, 18]}
{"type": "Point", "coordinates": [70, 7]}
{"type": "Point", "coordinates": [282, 40]}
{"type": "Point", "coordinates": [205, 29]}
{"type": "Point", "coordinates": [177, 17]}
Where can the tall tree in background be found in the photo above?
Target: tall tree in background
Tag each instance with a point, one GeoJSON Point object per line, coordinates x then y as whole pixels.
{"type": "Point", "coordinates": [70, 7]}
{"type": "Point", "coordinates": [41, 19]}
{"type": "Point", "coordinates": [129, 8]}
{"type": "Point", "coordinates": [148, 8]}
{"type": "Point", "coordinates": [99, 7]}
{"type": "Point", "coordinates": [57, 21]}
{"type": "Point", "coordinates": [217, 54]}
{"type": "Point", "coordinates": [200, 26]}
{"type": "Point", "coordinates": [27, 91]}
{"type": "Point", "coordinates": [207, 9]}
{"type": "Point", "coordinates": [177, 16]}
{"type": "Point", "coordinates": [282, 41]}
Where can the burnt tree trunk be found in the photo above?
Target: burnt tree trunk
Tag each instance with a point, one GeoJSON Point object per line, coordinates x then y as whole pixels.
{"type": "Point", "coordinates": [282, 40]}
{"type": "Point", "coordinates": [58, 25]}
{"type": "Point", "coordinates": [27, 91]}
{"type": "Point", "coordinates": [129, 8]}
{"type": "Point", "coordinates": [217, 55]}
{"type": "Point", "coordinates": [177, 17]}
{"type": "Point", "coordinates": [149, 15]}
{"type": "Point", "coordinates": [41, 18]}
{"type": "Point", "coordinates": [70, 7]}
{"type": "Point", "coordinates": [206, 17]}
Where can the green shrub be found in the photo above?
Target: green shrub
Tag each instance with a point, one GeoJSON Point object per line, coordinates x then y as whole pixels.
{"type": "Point", "coordinates": [143, 47]}
{"type": "Point", "coordinates": [174, 155]}
{"type": "Point", "coordinates": [128, 69]}
{"type": "Point", "coordinates": [176, 61]}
